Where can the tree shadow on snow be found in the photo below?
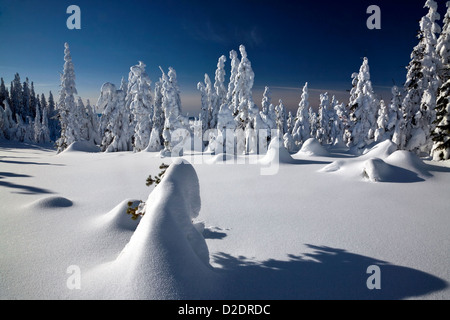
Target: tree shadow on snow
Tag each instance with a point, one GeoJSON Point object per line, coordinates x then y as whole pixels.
{"type": "Point", "coordinates": [24, 189]}
{"type": "Point", "coordinates": [327, 273]}
{"type": "Point", "coordinates": [429, 168]}
{"type": "Point", "coordinates": [32, 163]}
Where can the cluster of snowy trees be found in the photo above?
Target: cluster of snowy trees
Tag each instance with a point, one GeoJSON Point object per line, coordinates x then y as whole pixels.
{"type": "Point", "coordinates": [417, 116]}
{"type": "Point", "coordinates": [24, 115]}
{"type": "Point", "coordinates": [137, 116]}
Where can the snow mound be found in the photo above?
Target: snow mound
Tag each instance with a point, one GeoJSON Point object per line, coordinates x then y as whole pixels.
{"type": "Point", "coordinates": [276, 153]}
{"type": "Point", "coordinates": [381, 150]}
{"type": "Point", "coordinates": [81, 146]}
{"type": "Point", "coordinates": [51, 203]}
{"type": "Point", "coordinates": [312, 147]}
{"type": "Point", "coordinates": [166, 257]}
{"type": "Point", "coordinates": [408, 160]}
{"type": "Point", "coordinates": [118, 217]}
{"type": "Point", "coordinates": [382, 163]}
{"type": "Point", "coordinates": [334, 166]}
{"type": "Point", "coordinates": [221, 158]}
{"type": "Point", "coordinates": [377, 170]}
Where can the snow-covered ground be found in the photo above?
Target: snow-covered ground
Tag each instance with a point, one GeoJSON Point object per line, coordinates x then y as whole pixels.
{"type": "Point", "coordinates": [309, 231]}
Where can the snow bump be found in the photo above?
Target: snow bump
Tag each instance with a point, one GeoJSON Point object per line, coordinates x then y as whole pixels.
{"type": "Point", "coordinates": [51, 203]}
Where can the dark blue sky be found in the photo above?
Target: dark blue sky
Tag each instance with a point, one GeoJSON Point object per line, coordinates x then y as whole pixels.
{"type": "Point", "coordinates": [288, 42]}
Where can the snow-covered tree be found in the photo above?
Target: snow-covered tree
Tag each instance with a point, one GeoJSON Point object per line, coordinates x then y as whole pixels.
{"type": "Point", "coordinates": [281, 119]}
{"type": "Point", "coordinates": [45, 131]}
{"type": "Point", "coordinates": [243, 84]}
{"type": "Point", "coordinates": [232, 98]}
{"type": "Point", "coordinates": [140, 103]}
{"type": "Point", "coordinates": [382, 123]}
{"type": "Point", "coordinates": [115, 119]}
{"type": "Point", "coordinates": [301, 130]}
{"type": "Point", "coordinates": [290, 122]}
{"type": "Point", "coordinates": [219, 86]}
{"type": "Point", "coordinates": [441, 134]}
{"type": "Point", "coordinates": [37, 126]}
{"type": "Point", "coordinates": [266, 101]}
{"type": "Point", "coordinates": [396, 124]}
{"type": "Point", "coordinates": [324, 119]}
{"type": "Point", "coordinates": [154, 144]}
{"type": "Point", "coordinates": [171, 104]}
{"type": "Point", "coordinates": [9, 126]}
{"type": "Point", "coordinates": [289, 143]}
{"type": "Point", "coordinates": [158, 117]}
{"type": "Point", "coordinates": [4, 94]}
{"type": "Point", "coordinates": [92, 124]}
{"type": "Point", "coordinates": [422, 84]}
{"type": "Point", "coordinates": [443, 47]}
{"type": "Point", "coordinates": [204, 114]}
{"type": "Point", "coordinates": [267, 113]}
{"type": "Point", "coordinates": [66, 106]}
{"type": "Point", "coordinates": [209, 111]}
{"type": "Point", "coordinates": [364, 109]}
{"type": "Point", "coordinates": [312, 121]}
{"type": "Point", "coordinates": [339, 124]}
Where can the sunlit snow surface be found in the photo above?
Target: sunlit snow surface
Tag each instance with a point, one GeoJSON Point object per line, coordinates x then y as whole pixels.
{"type": "Point", "coordinates": [310, 231]}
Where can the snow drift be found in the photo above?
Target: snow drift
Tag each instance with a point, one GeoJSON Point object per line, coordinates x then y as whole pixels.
{"type": "Point", "coordinates": [166, 257]}
{"type": "Point", "coordinates": [377, 170]}
{"type": "Point", "coordinates": [81, 146]}
{"type": "Point", "coordinates": [380, 150]}
{"type": "Point", "coordinates": [118, 218]}
{"type": "Point", "coordinates": [277, 153]}
{"type": "Point", "coordinates": [51, 202]}
{"type": "Point", "coordinates": [382, 163]}
{"type": "Point", "coordinates": [312, 147]}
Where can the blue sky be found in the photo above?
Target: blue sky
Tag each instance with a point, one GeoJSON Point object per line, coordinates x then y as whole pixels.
{"type": "Point", "coordinates": [288, 43]}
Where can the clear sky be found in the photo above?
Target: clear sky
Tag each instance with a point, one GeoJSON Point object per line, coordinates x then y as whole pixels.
{"type": "Point", "coordinates": [288, 43]}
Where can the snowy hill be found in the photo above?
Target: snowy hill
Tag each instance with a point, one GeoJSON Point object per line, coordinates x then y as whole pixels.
{"type": "Point", "coordinates": [310, 231]}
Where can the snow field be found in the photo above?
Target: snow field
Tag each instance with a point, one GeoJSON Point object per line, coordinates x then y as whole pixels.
{"type": "Point", "coordinates": [301, 233]}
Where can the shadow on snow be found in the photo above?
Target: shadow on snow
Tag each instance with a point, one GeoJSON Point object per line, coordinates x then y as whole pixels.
{"type": "Point", "coordinates": [327, 273]}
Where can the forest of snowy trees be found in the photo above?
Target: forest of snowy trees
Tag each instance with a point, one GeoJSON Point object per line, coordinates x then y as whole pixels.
{"type": "Point", "coordinates": [137, 116]}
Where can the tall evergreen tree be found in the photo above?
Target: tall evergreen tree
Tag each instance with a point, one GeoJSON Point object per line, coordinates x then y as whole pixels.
{"type": "Point", "coordinates": [281, 118]}
{"type": "Point", "coordinates": [302, 131]}
{"type": "Point", "coordinates": [158, 119]}
{"type": "Point", "coordinates": [382, 123]}
{"type": "Point", "coordinates": [243, 91]}
{"type": "Point", "coordinates": [171, 104]}
{"type": "Point", "coordinates": [140, 102]}
{"type": "Point", "coordinates": [441, 134]}
{"type": "Point", "coordinates": [443, 47]}
{"type": "Point", "coordinates": [115, 119]}
{"type": "Point", "coordinates": [219, 84]}
{"type": "Point", "coordinates": [66, 104]}
{"type": "Point", "coordinates": [233, 100]}
{"type": "Point", "coordinates": [422, 84]}
{"type": "Point", "coordinates": [396, 124]}
{"type": "Point", "coordinates": [323, 132]}
{"type": "Point", "coordinates": [364, 108]}
{"type": "Point", "coordinates": [204, 114]}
